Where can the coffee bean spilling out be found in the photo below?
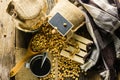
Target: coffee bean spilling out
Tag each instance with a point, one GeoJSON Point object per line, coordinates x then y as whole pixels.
{"type": "Point", "coordinates": [53, 43]}
{"type": "Point", "coordinates": [45, 40]}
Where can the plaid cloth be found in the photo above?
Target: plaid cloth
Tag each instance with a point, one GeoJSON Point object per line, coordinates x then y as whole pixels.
{"type": "Point", "coordinates": [102, 20]}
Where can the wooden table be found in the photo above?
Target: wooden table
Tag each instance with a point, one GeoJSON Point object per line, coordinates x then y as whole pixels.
{"type": "Point", "coordinates": [7, 41]}
{"type": "Point", "coordinates": [13, 48]}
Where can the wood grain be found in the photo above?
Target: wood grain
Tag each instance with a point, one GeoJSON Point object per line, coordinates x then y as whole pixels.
{"type": "Point", "coordinates": [7, 48]}
{"type": "Point", "coordinates": [7, 41]}
{"type": "Point", "coordinates": [24, 73]}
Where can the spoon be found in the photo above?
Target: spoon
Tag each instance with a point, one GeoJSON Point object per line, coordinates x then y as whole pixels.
{"type": "Point", "coordinates": [43, 58]}
{"type": "Point", "coordinates": [19, 65]}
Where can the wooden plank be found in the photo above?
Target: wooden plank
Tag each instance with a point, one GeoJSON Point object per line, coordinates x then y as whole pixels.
{"type": "Point", "coordinates": [7, 41]}
{"type": "Point", "coordinates": [81, 39]}
{"type": "Point", "coordinates": [81, 45]}
{"type": "Point", "coordinates": [74, 58]}
{"type": "Point", "coordinates": [81, 53]}
{"type": "Point", "coordinates": [72, 49]}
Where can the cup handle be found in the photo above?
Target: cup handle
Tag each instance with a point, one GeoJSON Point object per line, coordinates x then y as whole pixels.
{"type": "Point", "coordinates": [27, 65]}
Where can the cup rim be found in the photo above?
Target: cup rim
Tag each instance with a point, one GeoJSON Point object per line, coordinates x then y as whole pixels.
{"type": "Point", "coordinates": [40, 55]}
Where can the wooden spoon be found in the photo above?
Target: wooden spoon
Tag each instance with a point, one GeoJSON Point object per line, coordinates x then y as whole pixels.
{"type": "Point", "coordinates": [19, 65]}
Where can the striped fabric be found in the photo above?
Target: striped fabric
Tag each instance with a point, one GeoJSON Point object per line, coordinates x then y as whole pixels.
{"type": "Point", "coordinates": [102, 22]}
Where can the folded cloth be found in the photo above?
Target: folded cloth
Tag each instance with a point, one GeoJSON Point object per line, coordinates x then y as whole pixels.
{"type": "Point", "coordinates": [117, 2]}
{"type": "Point", "coordinates": [109, 59]}
{"type": "Point", "coordinates": [105, 18]}
{"type": "Point", "coordinates": [102, 20]}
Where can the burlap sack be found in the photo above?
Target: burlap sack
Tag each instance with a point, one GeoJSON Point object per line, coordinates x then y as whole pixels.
{"type": "Point", "coordinates": [28, 13]}
{"type": "Point", "coordinates": [69, 11]}
{"type": "Point", "coordinates": [28, 9]}
{"type": "Point", "coordinates": [32, 12]}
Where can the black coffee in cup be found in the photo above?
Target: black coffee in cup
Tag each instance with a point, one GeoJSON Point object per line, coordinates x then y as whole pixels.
{"type": "Point", "coordinates": [35, 66]}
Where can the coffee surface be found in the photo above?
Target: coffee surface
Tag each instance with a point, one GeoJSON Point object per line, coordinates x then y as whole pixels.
{"type": "Point", "coordinates": [36, 67]}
